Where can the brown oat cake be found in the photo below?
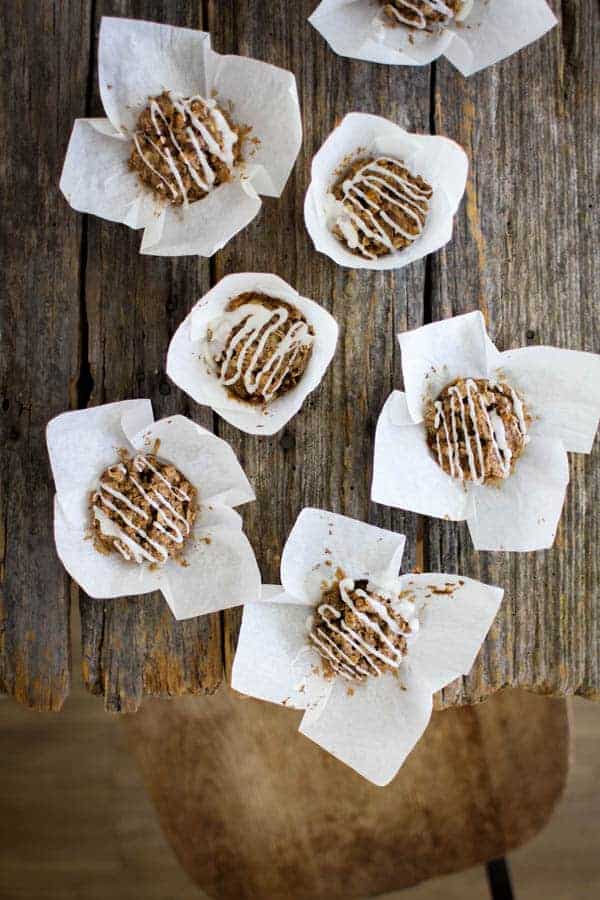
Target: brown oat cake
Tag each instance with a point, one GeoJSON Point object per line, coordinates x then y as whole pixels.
{"type": "Point", "coordinates": [144, 509]}
{"type": "Point", "coordinates": [171, 152]}
{"type": "Point", "coordinates": [357, 632]}
{"type": "Point", "coordinates": [477, 429]}
{"type": "Point", "coordinates": [267, 351]}
{"type": "Point", "coordinates": [385, 204]}
{"type": "Point", "coordinates": [429, 15]}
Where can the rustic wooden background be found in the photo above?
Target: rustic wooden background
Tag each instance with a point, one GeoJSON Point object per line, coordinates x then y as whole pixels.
{"type": "Point", "coordinates": [86, 320]}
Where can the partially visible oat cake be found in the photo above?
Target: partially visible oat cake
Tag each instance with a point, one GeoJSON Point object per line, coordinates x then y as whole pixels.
{"type": "Point", "coordinates": [423, 15]}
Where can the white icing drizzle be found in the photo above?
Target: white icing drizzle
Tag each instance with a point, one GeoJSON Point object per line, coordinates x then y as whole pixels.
{"type": "Point", "coordinates": [458, 429]}
{"type": "Point", "coordinates": [373, 661]}
{"type": "Point", "coordinates": [410, 199]}
{"type": "Point", "coordinates": [169, 521]}
{"type": "Point", "coordinates": [421, 22]}
{"type": "Point", "coordinates": [257, 323]}
{"type": "Point", "coordinates": [202, 140]}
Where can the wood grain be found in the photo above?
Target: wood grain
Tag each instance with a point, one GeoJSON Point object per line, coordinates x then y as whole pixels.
{"type": "Point", "coordinates": [525, 252]}
{"type": "Point", "coordinates": [254, 810]}
{"type": "Point", "coordinates": [134, 646]}
{"type": "Point", "coordinates": [42, 88]}
{"type": "Point", "coordinates": [87, 320]}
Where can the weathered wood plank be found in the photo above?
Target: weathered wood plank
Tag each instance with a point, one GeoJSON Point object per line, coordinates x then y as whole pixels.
{"type": "Point", "coordinates": [324, 455]}
{"type": "Point", "coordinates": [134, 646]}
{"type": "Point", "coordinates": [525, 252]}
{"type": "Point", "coordinates": [44, 72]}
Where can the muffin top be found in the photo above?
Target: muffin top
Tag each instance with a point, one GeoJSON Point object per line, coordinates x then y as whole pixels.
{"type": "Point", "coordinates": [361, 631]}
{"type": "Point", "coordinates": [260, 347]}
{"type": "Point", "coordinates": [381, 206]}
{"type": "Point", "coordinates": [144, 509]}
{"type": "Point", "coordinates": [477, 429]}
{"type": "Point", "coordinates": [424, 15]}
{"type": "Point", "coordinates": [184, 147]}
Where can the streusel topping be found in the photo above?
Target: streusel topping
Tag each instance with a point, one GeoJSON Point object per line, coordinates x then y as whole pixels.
{"type": "Point", "coordinates": [184, 147]}
{"type": "Point", "coordinates": [360, 630]}
{"type": "Point", "coordinates": [260, 347]}
{"type": "Point", "coordinates": [477, 429]}
{"type": "Point", "coordinates": [144, 509]}
{"type": "Point", "coordinates": [383, 206]}
{"type": "Point", "coordinates": [424, 15]}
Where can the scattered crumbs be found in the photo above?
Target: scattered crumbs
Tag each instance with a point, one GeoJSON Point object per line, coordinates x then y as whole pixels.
{"type": "Point", "coordinates": [449, 588]}
{"type": "Point", "coordinates": [302, 688]}
{"type": "Point", "coordinates": [327, 551]}
{"type": "Point", "coordinates": [206, 539]}
{"type": "Point", "coordinates": [350, 692]}
{"type": "Point", "coordinates": [328, 562]}
{"type": "Point", "coordinates": [340, 574]}
{"type": "Point", "coordinates": [461, 581]}
{"type": "Point", "coordinates": [109, 86]}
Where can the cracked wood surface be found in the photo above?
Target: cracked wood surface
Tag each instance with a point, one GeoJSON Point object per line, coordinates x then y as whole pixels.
{"type": "Point", "coordinates": [87, 320]}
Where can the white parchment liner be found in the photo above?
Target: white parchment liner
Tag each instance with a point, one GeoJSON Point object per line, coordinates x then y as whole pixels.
{"type": "Point", "coordinates": [373, 727]}
{"type": "Point", "coordinates": [561, 390]}
{"type": "Point", "coordinates": [220, 570]}
{"type": "Point", "coordinates": [489, 30]}
{"type": "Point", "coordinates": [442, 163]}
{"type": "Point", "coordinates": [188, 349]}
{"type": "Point", "coordinates": [137, 60]}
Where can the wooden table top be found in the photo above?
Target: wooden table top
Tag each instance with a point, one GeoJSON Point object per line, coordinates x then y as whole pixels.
{"type": "Point", "coordinates": [87, 320]}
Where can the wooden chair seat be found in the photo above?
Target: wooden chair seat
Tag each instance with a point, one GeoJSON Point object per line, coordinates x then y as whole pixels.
{"type": "Point", "coordinates": [255, 810]}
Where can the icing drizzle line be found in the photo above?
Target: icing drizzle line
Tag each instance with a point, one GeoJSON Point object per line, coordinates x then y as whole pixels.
{"type": "Point", "coordinates": [169, 522]}
{"type": "Point", "coordinates": [437, 6]}
{"type": "Point", "coordinates": [202, 140]}
{"type": "Point", "coordinates": [257, 323]}
{"type": "Point", "coordinates": [373, 661]}
{"type": "Point", "coordinates": [408, 197]}
{"type": "Point", "coordinates": [457, 429]}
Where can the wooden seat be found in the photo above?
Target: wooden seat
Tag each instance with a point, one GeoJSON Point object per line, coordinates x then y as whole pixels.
{"type": "Point", "coordinates": [255, 810]}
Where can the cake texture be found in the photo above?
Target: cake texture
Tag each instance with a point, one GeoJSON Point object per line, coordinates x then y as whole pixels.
{"type": "Point", "coordinates": [384, 206]}
{"type": "Point", "coordinates": [477, 430]}
{"type": "Point", "coordinates": [424, 15]}
{"type": "Point", "coordinates": [358, 630]}
{"type": "Point", "coordinates": [184, 147]}
{"type": "Point", "coordinates": [260, 347]}
{"type": "Point", "coordinates": [144, 509]}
